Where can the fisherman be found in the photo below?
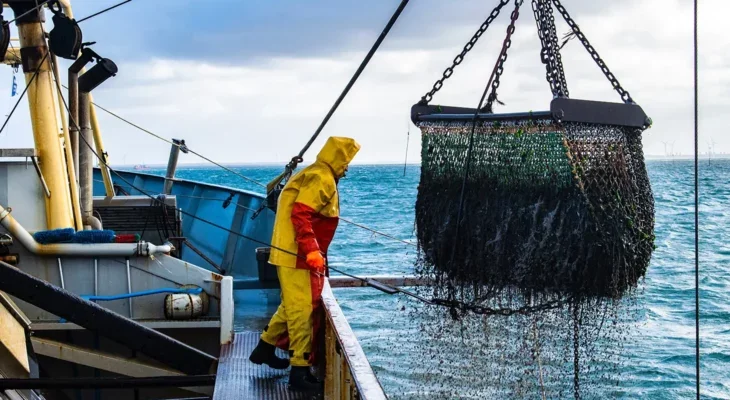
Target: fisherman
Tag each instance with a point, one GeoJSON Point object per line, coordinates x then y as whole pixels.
{"type": "Point", "coordinates": [306, 220]}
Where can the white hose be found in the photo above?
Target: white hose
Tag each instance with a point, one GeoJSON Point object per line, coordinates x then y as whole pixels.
{"type": "Point", "coordinates": [72, 249]}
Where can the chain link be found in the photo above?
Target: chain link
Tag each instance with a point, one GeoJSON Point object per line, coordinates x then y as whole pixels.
{"type": "Point", "coordinates": [503, 57]}
{"type": "Point", "coordinates": [592, 51]}
{"type": "Point", "coordinates": [459, 58]}
{"type": "Point", "coordinates": [558, 59]}
{"type": "Point", "coordinates": [505, 312]}
{"type": "Point", "coordinates": [550, 53]}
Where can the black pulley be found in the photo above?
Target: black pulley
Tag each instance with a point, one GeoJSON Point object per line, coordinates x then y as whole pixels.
{"type": "Point", "coordinates": [4, 38]}
{"type": "Point", "coordinates": [65, 37]}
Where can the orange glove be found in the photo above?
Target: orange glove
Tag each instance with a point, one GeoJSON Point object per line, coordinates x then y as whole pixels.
{"type": "Point", "coordinates": [316, 261]}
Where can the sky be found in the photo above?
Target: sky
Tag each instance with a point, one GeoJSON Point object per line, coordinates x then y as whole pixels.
{"type": "Point", "coordinates": [250, 81]}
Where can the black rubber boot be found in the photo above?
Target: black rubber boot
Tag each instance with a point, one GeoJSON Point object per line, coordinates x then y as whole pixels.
{"type": "Point", "coordinates": [264, 353]}
{"type": "Point", "coordinates": [301, 380]}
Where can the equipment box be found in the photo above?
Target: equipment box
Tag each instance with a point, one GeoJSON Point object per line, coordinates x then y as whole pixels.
{"type": "Point", "coordinates": [267, 272]}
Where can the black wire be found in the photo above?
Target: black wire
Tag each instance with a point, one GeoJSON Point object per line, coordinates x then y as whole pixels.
{"type": "Point", "coordinates": [119, 117]}
{"type": "Point", "coordinates": [32, 78]}
{"type": "Point", "coordinates": [408, 140]}
{"type": "Point", "coordinates": [345, 220]}
{"type": "Point", "coordinates": [697, 209]}
{"type": "Point", "coordinates": [354, 78]}
{"type": "Point", "coordinates": [36, 8]}
{"type": "Point", "coordinates": [103, 11]}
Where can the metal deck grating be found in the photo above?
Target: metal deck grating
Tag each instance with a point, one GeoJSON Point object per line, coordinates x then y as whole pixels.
{"type": "Point", "coordinates": [238, 378]}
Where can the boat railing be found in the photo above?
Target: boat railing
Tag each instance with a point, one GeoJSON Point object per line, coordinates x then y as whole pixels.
{"type": "Point", "coordinates": [348, 374]}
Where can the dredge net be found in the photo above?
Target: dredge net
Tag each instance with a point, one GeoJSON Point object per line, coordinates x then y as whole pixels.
{"type": "Point", "coordinates": [549, 212]}
{"type": "Point", "coordinates": [556, 229]}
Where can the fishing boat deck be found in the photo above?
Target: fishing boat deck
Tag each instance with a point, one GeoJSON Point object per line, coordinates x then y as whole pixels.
{"type": "Point", "coordinates": [239, 378]}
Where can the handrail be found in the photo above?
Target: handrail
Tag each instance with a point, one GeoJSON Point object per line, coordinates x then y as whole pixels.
{"type": "Point", "coordinates": [348, 372]}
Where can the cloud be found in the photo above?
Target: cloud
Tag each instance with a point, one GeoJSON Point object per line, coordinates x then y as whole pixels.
{"type": "Point", "coordinates": [264, 111]}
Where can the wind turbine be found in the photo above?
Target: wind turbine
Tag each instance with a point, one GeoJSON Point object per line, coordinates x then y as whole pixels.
{"type": "Point", "coordinates": [710, 150]}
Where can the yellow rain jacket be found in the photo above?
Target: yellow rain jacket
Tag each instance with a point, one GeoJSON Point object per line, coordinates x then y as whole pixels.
{"type": "Point", "coordinates": [306, 220]}
{"type": "Point", "coordinates": [308, 209]}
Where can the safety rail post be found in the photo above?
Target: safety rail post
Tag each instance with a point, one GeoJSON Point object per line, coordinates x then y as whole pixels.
{"type": "Point", "coordinates": [177, 146]}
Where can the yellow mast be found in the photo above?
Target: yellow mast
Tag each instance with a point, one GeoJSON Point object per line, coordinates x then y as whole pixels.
{"type": "Point", "coordinates": [46, 135]}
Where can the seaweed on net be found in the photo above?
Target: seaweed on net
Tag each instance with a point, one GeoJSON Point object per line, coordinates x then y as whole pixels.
{"type": "Point", "coordinates": [555, 231]}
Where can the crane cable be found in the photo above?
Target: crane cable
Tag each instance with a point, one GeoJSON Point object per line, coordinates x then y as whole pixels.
{"type": "Point", "coordinates": [236, 173]}
{"type": "Point", "coordinates": [697, 207]}
{"type": "Point", "coordinates": [292, 165]}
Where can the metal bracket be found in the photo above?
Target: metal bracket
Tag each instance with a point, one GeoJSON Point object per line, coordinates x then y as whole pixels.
{"type": "Point", "coordinates": [562, 109]}
{"type": "Point", "coordinates": [40, 175]}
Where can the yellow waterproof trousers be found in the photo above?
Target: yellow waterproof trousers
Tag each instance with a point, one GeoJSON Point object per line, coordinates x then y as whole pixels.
{"type": "Point", "coordinates": [297, 315]}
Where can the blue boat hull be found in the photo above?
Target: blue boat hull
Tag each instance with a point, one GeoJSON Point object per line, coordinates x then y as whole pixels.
{"type": "Point", "coordinates": [233, 253]}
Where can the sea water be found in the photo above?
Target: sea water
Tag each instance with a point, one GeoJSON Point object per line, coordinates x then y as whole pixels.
{"type": "Point", "coordinates": [658, 364]}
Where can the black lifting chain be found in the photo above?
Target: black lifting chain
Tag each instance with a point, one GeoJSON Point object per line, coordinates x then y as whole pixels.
{"type": "Point", "coordinates": [502, 58]}
{"type": "Point", "coordinates": [601, 64]}
{"type": "Point", "coordinates": [505, 312]}
{"type": "Point", "coordinates": [459, 58]}
{"type": "Point", "coordinates": [550, 53]}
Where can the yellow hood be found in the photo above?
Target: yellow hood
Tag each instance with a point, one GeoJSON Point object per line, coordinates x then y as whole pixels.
{"type": "Point", "coordinates": [337, 153]}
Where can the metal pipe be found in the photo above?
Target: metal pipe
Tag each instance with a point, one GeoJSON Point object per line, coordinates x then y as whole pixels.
{"type": "Point", "coordinates": [36, 62]}
{"type": "Point", "coordinates": [94, 223]}
{"type": "Point", "coordinates": [129, 287]}
{"type": "Point", "coordinates": [96, 277]}
{"type": "Point", "coordinates": [60, 273]}
{"type": "Point", "coordinates": [68, 151]}
{"type": "Point", "coordinates": [86, 162]}
{"type": "Point", "coordinates": [71, 249]}
{"type": "Point", "coordinates": [172, 166]}
{"type": "Point", "coordinates": [98, 142]}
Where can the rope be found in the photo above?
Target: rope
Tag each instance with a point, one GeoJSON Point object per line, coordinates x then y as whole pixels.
{"type": "Point", "coordinates": [697, 208]}
{"type": "Point", "coordinates": [36, 8]}
{"type": "Point", "coordinates": [32, 78]}
{"type": "Point", "coordinates": [178, 145]}
{"type": "Point", "coordinates": [354, 78]}
{"type": "Point", "coordinates": [341, 218]}
{"type": "Point", "coordinates": [292, 165]}
{"type": "Point", "coordinates": [236, 173]}
{"type": "Point", "coordinates": [103, 11]}
{"type": "Point", "coordinates": [377, 232]}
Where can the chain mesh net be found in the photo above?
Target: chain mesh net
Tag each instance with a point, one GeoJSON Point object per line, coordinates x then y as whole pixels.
{"type": "Point", "coordinates": [549, 211]}
{"type": "Point", "coordinates": [556, 230]}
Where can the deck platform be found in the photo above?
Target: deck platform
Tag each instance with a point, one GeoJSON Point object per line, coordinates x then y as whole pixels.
{"type": "Point", "coordinates": [238, 378]}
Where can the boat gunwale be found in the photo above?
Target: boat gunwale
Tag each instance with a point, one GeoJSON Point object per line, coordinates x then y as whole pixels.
{"type": "Point", "coordinates": [367, 383]}
{"type": "Point", "coordinates": [211, 185]}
